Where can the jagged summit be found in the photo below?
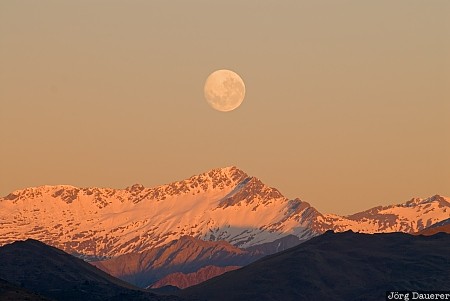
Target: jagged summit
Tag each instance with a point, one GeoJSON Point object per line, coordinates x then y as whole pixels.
{"type": "Point", "coordinates": [217, 178]}
{"type": "Point", "coordinates": [228, 171]}
{"type": "Point", "coordinates": [435, 198]}
{"type": "Point", "coordinates": [214, 177]}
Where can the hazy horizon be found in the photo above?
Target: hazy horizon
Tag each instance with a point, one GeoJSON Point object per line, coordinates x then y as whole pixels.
{"type": "Point", "coordinates": [347, 103]}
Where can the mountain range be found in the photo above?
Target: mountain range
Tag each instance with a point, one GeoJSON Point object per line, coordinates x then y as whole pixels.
{"type": "Point", "coordinates": [220, 218]}
{"type": "Point", "coordinates": [221, 204]}
{"type": "Point", "coordinates": [189, 261]}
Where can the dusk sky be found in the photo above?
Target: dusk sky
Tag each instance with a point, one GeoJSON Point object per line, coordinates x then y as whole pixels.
{"type": "Point", "coordinates": [347, 103]}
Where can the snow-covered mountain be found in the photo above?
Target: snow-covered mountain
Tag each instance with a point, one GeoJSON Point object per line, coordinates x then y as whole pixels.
{"type": "Point", "coordinates": [442, 226]}
{"type": "Point", "coordinates": [222, 204]}
{"type": "Point", "coordinates": [408, 217]}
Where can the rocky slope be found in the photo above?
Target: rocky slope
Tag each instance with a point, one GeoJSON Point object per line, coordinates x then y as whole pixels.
{"type": "Point", "coordinates": [182, 280]}
{"type": "Point", "coordinates": [275, 246]}
{"type": "Point", "coordinates": [442, 226]}
{"type": "Point", "coordinates": [186, 255]}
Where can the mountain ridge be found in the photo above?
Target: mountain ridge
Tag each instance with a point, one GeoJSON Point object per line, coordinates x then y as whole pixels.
{"type": "Point", "coordinates": [220, 204]}
{"type": "Point", "coordinates": [104, 222]}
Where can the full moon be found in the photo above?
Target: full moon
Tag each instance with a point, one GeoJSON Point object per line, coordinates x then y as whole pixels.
{"type": "Point", "coordinates": [224, 90]}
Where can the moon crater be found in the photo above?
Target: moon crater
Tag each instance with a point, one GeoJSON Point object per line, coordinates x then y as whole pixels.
{"type": "Point", "coordinates": [224, 90]}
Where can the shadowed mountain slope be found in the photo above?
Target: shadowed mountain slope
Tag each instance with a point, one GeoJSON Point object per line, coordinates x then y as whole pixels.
{"type": "Point", "coordinates": [182, 280]}
{"type": "Point", "coordinates": [338, 266]}
{"type": "Point", "coordinates": [275, 246]}
{"type": "Point", "coordinates": [185, 255]}
{"type": "Point", "coordinates": [442, 226]}
{"type": "Point", "coordinates": [57, 275]}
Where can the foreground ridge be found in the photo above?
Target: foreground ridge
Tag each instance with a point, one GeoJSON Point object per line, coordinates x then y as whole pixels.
{"type": "Point", "coordinates": [36, 267]}
{"type": "Point", "coordinates": [338, 266]}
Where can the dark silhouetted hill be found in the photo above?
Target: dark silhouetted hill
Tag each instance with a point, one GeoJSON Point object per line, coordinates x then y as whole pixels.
{"type": "Point", "coordinates": [37, 267]}
{"type": "Point", "coordinates": [338, 266]}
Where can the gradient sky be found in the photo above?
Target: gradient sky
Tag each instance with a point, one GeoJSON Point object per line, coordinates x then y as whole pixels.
{"type": "Point", "coordinates": [347, 103]}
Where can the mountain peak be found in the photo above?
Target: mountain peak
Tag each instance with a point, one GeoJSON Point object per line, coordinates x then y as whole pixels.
{"type": "Point", "coordinates": [135, 187]}
{"type": "Point", "coordinates": [433, 199]}
{"type": "Point", "coordinates": [231, 172]}
{"type": "Point", "coordinates": [217, 178]}
{"type": "Point", "coordinates": [440, 198]}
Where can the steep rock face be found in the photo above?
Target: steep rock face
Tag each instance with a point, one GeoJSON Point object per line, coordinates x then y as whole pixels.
{"type": "Point", "coordinates": [222, 204]}
{"type": "Point", "coordinates": [185, 255]}
{"type": "Point", "coordinates": [182, 280]}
